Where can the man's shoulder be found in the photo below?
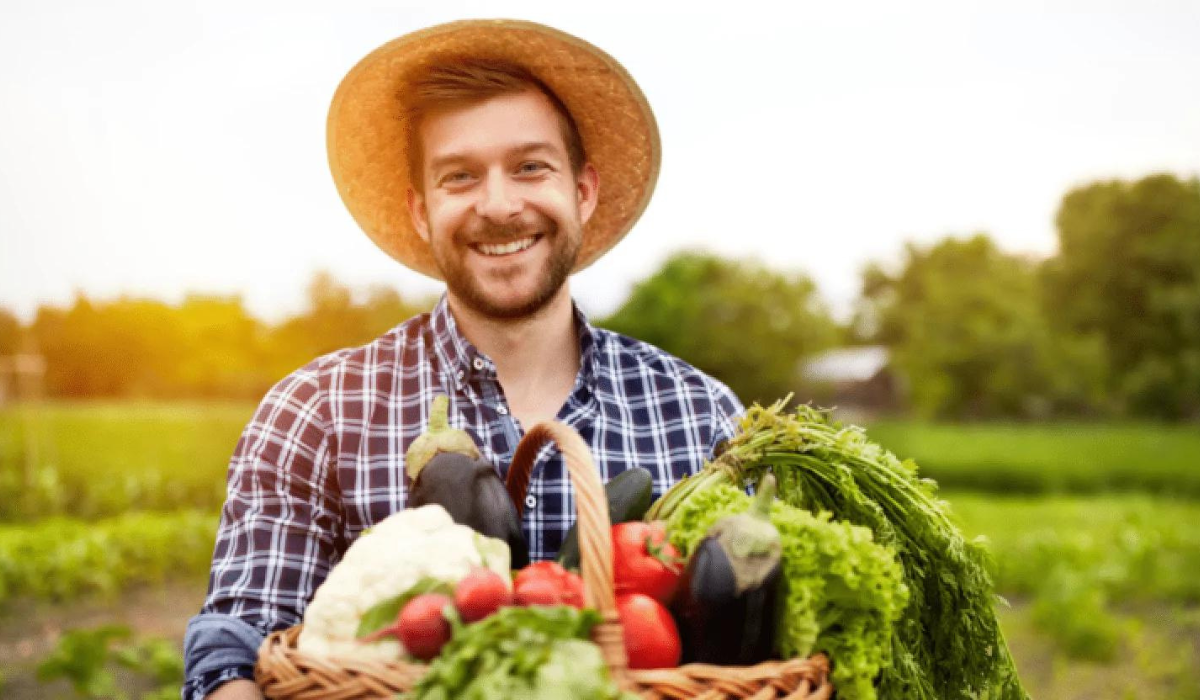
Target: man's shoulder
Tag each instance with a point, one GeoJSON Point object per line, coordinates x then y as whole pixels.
{"type": "Point", "coordinates": [633, 358]}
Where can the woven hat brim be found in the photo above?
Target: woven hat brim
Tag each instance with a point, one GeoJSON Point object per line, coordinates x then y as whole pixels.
{"type": "Point", "coordinates": [366, 136]}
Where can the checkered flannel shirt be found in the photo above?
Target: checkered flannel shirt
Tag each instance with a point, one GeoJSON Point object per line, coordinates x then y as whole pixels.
{"type": "Point", "coordinates": [323, 459]}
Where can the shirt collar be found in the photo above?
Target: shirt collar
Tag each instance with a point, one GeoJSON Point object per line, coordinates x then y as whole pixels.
{"type": "Point", "coordinates": [466, 363]}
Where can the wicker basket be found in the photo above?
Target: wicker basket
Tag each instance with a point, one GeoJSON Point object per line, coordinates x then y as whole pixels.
{"type": "Point", "coordinates": [283, 672]}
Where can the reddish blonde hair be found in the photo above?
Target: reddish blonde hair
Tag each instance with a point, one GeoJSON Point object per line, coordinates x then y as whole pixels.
{"type": "Point", "coordinates": [467, 81]}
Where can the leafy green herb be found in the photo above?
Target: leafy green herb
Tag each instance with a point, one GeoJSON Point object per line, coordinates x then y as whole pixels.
{"type": "Point", "coordinates": [948, 644]}
{"type": "Point", "coordinates": [843, 592]}
{"type": "Point", "coordinates": [534, 653]}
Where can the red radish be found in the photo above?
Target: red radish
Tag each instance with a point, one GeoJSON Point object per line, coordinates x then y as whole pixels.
{"type": "Point", "coordinates": [481, 593]}
{"type": "Point", "coordinates": [423, 629]}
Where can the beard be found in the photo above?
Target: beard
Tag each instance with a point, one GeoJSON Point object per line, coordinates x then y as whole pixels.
{"type": "Point", "coordinates": [472, 291]}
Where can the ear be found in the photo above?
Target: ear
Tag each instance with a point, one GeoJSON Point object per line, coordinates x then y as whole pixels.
{"type": "Point", "coordinates": [416, 212]}
{"type": "Point", "coordinates": [587, 191]}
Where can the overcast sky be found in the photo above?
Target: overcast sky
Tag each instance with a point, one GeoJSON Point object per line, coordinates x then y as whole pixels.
{"type": "Point", "coordinates": [157, 148]}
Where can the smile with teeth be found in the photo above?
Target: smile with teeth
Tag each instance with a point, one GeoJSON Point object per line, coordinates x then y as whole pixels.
{"type": "Point", "coordinates": [506, 248]}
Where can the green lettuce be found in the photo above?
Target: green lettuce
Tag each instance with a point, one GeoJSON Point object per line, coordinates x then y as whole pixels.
{"type": "Point", "coordinates": [843, 592]}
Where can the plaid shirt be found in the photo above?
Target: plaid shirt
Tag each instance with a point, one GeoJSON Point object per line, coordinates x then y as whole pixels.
{"type": "Point", "coordinates": [323, 459]}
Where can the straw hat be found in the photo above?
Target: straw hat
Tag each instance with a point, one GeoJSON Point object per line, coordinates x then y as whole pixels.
{"type": "Point", "coordinates": [366, 143]}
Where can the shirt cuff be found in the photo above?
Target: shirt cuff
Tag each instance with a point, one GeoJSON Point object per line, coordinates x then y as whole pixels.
{"type": "Point", "coordinates": [217, 648]}
{"type": "Point", "coordinates": [201, 687]}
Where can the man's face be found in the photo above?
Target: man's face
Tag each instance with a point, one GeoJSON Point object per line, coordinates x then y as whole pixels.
{"type": "Point", "coordinates": [501, 208]}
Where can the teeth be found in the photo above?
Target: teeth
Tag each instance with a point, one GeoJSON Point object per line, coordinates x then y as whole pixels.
{"type": "Point", "coordinates": [506, 248]}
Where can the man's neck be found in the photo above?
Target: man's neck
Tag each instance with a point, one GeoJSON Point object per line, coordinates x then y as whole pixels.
{"type": "Point", "coordinates": [537, 358]}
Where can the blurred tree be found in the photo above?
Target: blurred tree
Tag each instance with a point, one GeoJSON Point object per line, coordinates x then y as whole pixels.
{"type": "Point", "coordinates": [965, 325]}
{"type": "Point", "coordinates": [224, 349]}
{"type": "Point", "coordinates": [10, 333]}
{"type": "Point", "coordinates": [740, 322]}
{"type": "Point", "coordinates": [127, 347]}
{"type": "Point", "coordinates": [333, 320]}
{"type": "Point", "coordinates": [206, 347]}
{"type": "Point", "coordinates": [1128, 271]}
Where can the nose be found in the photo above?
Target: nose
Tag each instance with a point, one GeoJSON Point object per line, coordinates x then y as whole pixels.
{"type": "Point", "coordinates": [499, 200]}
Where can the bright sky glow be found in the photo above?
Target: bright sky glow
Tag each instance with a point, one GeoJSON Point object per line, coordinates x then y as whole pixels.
{"type": "Point", "coordinates": [157, 148]}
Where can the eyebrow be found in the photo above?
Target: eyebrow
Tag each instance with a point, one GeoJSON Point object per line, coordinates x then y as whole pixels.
{"type": "Point", "coordinates": [521, 149]}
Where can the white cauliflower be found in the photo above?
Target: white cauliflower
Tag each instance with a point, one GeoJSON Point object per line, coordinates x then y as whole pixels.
{"type": "Point", "coordinates": [411, 546]}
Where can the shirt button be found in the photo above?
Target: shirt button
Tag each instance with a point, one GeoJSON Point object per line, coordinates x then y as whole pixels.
{"type": "Point", "coordinates": [478, 363]}
{"type": "Point", "coordinates": [530, 502]}
{"type": "Point", "coordinates": [502, 410]}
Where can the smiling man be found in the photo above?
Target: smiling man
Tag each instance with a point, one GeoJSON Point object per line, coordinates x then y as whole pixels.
{"type": "Point", "coordinates": [499, 157]}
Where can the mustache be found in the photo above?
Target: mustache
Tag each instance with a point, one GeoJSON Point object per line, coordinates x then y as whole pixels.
{"type": "Point", "coordinates": [483, 231]}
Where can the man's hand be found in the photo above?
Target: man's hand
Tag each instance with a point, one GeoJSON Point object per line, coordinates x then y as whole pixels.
{"type": "Point", "coordinates": [240, 689]}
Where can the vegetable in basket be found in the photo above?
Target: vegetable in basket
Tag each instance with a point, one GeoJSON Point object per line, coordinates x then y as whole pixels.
{"type": "Point", "coordinates": [644, 561]}
{"type": "Point", "coordinates": [414, 551]}
{"type": "Point", "coordinates": [629, 495]}
{"type": "Point", "coordinates": [445, 468]}
{"type": "Point", "coordinates": [651, 636]}
{"type": "Point", "coordinates": [842, 592]}
{"type": "Point", "coordinates": [547, 583]}
{"type": "Point", "coordinates": [948, 643]}
{"type": "Point", "coordinates": [727, 603]}
{"type": "Point", "coordinates": [537, 653]}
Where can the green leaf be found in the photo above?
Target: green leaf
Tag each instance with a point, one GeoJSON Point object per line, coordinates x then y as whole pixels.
{"type": "Point", "coordinates": [386, 611]}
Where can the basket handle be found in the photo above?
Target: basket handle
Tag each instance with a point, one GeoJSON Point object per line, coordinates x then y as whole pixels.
{"type": "Point", "coordinates": [593, 525]}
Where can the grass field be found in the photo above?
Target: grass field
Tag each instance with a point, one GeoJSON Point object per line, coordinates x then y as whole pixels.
{"type": "Point", "coordinates": [1053, 458]}
{"type": "Point", "coordinates": [101, 459]}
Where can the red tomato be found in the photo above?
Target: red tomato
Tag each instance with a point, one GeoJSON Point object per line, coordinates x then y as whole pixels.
{"type": "Point", "coordinates": [644, 561]}
{"type": "Point", "coordinates": [480, 593]}
{"type": "Point", "coordinates": [547, 583]}
{"type": "Point", "coordinates": [651, 637]}
{"type": "Point", "coordinates": [423, 627]}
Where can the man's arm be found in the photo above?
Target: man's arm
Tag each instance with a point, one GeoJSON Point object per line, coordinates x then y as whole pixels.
{"type": "Point", "coordinates": [237, 690]}
{"type": "Point", "coordinates": [277, 539]}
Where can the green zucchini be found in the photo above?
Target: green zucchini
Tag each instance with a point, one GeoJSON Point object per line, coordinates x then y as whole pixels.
{"type": "Point", "coordinates": [629, 494]}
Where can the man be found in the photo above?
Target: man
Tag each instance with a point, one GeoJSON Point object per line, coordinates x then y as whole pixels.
{"type": "Point", "coordinates": [500, 157]}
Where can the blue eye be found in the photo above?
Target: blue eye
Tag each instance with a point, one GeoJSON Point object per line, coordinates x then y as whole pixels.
{"type": "Point", "coordinates": [532, 166]}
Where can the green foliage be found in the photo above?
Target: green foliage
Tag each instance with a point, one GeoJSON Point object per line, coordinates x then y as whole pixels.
{"type": "Point", "coordinates": [1074, 610]}
{"type": "Point", "coordinates": [1051, 458]}
{"type": "Point", "coordinates": [62, 559]}
{"type": "Point", "coordinates": [967, 332]}
{"type": "Point", "coordinates": [1137, 547]}
{"type": "Point", "coordinates": [539, 653]}
{"type": "Point", "coordinates": [1128, 272]}
{"type": "Point", "coordinates": [81, 657]}
{"type": "Point", "coordinates": [1076, 556]}
{"type": "Point", "coordinates": [740, 322]}
{"type": "Point", "coordinates": [948, 643]}
{"type": "Point", "coordinates": [86, 658]}
{"type": "Point", "coordinates": [843, 592]}
{"type": "Point", "coordinates": [96, 460]}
